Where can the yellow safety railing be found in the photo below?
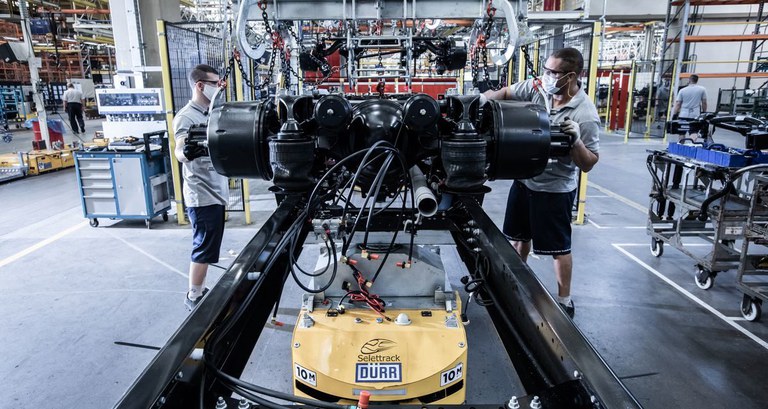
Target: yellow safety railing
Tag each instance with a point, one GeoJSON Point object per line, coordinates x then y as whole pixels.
{"type": "Point", "coordinates": [630, 101]}
{"type": "Point", "coordinates": [593, 62]}
{"type": "Point", "coordinates": [672, 88]}
{"type": "Point", "coordinates": [168, 95]}
{"type": "Point", "coordinates": [244, 185]}
{"type": "Point", "coordinates": [608, 102]}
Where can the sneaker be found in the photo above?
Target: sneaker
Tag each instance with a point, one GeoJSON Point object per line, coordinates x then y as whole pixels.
{"type": "Point", "coordinates": [569, 309]}
{"type": "Point", "coordinates": [191, 304]}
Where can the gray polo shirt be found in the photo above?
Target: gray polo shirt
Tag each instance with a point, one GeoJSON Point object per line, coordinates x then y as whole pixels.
{"type": "Point", "coordinates": [202, 185]}
{"type": "Point", "coordinates": [691, 98]}
{"type": "Point", "coordinates": [561, 174]}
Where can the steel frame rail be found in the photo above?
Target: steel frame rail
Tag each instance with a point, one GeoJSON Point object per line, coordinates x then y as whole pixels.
{"type": "Point", "coordinates": [553, 358]}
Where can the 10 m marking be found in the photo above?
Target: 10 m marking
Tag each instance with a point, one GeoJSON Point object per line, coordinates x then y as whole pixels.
{"type": "Point", "coordinates": [452, 375]}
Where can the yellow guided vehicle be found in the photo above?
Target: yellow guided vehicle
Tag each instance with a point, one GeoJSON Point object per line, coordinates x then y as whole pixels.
{"type": "Point", "coordinates": [399, 337]}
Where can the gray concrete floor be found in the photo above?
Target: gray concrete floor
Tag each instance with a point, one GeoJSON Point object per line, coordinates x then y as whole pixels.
{"type": "Point", "coordinates": [68, 292]}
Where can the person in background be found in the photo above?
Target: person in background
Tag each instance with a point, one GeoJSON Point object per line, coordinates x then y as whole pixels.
{"type": "Point", "coordinates": [691, 101]}
{"type": "Point", "coordinates": [539, 209]}
{"type": "Point", "coordinates": [73, 106]}
{"type": "Point", "coordinates": [205, 191]}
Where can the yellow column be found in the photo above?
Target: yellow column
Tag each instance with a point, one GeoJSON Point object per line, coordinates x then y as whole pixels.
{"type": "Point", "coordinates": [592, 81]}
{"type": "Point", "coordinates": [246, 201]}
{"type": "Point", "coordinates": [630, 90]}
{"type": "Point", "coordinates": [168, 94]}
{"type": "Point", "coordinates": [672, 94]}
{"type": "Point", "coordinates": [243, 183]}
{"type": "Point", "coordinates": [594, 60]}
{"type": "Point", "coordinates": [521, 70]}
{"type": "Point", "coordinates": [460, 81]}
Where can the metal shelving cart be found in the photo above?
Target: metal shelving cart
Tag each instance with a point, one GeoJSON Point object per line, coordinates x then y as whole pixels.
{"type": "Point", "coordinates": [753, 269]}
{"type": "Point", "coordinates": [691, 198]}
{"type": "Point", "coordinates": [124, 185]}
{"type": "Point", "coordinates": [12, 105]}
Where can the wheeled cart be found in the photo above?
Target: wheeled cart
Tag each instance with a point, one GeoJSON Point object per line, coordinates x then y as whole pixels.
{"type": "Point", "coordinates": [691, 198]}
{"type": "Point", "coordinates": [124, 185]}
{"type": "Point", "coordinates": [752, 277]}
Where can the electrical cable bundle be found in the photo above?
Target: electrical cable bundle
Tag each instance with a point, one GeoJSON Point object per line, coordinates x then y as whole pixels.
{"type": "Point", "coordinates": [289, 241]}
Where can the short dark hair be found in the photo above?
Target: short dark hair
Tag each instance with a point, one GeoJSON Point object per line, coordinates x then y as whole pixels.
{"type": "Point", "coordinates": [200, 72]}
{"type": "Point", "coordinates": [694, 78]}
{"type": "Point", "coordinates": [572, 57]}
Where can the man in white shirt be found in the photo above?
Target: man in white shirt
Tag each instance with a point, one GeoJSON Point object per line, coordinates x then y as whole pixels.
{"type": "Point", "coordinates": [73, 106]}
{"type": "Point", "coordinates": [691, 101]}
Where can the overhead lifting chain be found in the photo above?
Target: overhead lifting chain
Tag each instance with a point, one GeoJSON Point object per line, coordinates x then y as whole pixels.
{"type": "Point", "coordinates": [480, 50]}
{"type": "Point", "coordinates": [277, 43]}
{"type": "Point", "coordinates": [529, 63]}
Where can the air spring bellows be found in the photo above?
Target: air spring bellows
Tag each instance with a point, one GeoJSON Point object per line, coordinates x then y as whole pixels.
{"type": "Point", "coordinates": [292, 162]}
{"type": "Point", "coordinates": [464, 163]}
{"type": "Point", "coordinates": [464, 153]}
{"type": "Point", "coordinates": [291, 153]}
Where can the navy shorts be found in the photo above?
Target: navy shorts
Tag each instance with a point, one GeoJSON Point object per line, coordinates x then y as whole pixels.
{"type": "Point", "coordinates": [208, 230]}
{"type": "Point", "coordinates": [541, 217]}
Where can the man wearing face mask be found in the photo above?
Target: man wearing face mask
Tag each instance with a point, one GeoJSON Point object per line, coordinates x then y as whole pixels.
{"type": "Point", "coordinates": [205, 191]}
{"type": "Point", "coordinates": [538, 213]}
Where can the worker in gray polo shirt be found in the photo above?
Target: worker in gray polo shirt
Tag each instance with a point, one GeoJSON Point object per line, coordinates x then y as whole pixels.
{"type": "Point", "coordinates": [538, 213]}
{"type": "Point", "coordinates": [205, 191]}
{"type": "Point", "coordinates": [691, 101]}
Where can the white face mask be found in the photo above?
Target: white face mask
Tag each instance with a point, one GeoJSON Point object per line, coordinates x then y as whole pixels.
{"type": "Point", "coordinates": [209, 91]}
{"type": "Point", "coordinates": [549, 83]}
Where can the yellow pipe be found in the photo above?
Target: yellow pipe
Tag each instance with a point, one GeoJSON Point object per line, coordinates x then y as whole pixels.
{"type": "Point", "coordinates": [460, 85]}
{"type": "Point", "coordinates": [243, 182]}
{"type": "Point", "coordinates": [247, 201]}
{"type": "Point", "coordinates": [97, 39]}
{"type": "Point", "coordinates": [672, 86]}
{"type": "Point", "coordinates": [168, 95]}
{"type": "Point", "coordinates": [581, 207]}
{"type": "Point", "coordinates": [630, 89]}
{"type": "Point", "coordinates": [521, 66]}
{"type": "Point", "coordinates": [593, 60]}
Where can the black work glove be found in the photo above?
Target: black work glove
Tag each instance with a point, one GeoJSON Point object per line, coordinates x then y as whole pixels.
{"type": "Point", "coordinates": [192, 151]}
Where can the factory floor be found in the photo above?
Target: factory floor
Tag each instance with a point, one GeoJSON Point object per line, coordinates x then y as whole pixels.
{"type": "Point", "coordinates": [78, 303]}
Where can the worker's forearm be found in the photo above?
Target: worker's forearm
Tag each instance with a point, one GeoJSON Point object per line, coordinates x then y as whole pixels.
{"type": "Point", "coordinates": [583, 157]}
{"type": "Point", "coordinates": [498, 95]}
{"type": "Point", "coordinates": [179, 150]}
{"type": "Point", "coordinates": [703, 107]}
